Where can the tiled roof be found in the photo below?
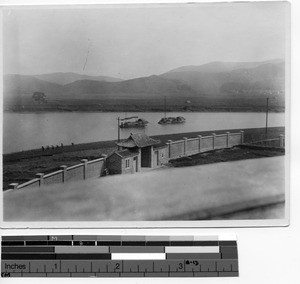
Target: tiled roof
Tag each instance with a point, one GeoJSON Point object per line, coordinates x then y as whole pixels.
{"type": "Point", "coordinates": [126, 153]}
{"type": "Point", "coordinates": [139, 140]}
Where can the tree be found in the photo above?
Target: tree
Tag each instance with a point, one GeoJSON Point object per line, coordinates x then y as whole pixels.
{"type": "Point", "coordinates": [39, 97]}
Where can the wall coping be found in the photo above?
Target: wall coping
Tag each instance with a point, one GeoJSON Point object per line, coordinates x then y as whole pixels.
{"type": "Point", "coordinates": [28, 183]}
{"type": "Point", "coordinates": [177, 141]}
{"type": "Point", "coordinates": [193, 138]}
{"type": "Point", "coordinates": [75, 166]}
{"type": "Point", "coordinates": [96, 160]}
{"type": "Point", "coordinates": [53, 173]}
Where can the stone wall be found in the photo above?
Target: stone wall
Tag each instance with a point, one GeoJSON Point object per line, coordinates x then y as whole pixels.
{"type": "Point", "coordinates": [174, 149]}
{"type": "Point", "coordinates": [192, 146]}
{"type": "Point", "coordinates": [87, 169]}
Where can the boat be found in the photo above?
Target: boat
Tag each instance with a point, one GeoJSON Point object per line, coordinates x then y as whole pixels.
{"type": "Point", "coordinates": [171, 120]}
{"type": "Point", "coordinates": [128, 122]}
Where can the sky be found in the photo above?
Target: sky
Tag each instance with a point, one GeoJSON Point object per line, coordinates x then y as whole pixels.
{"type": "Point", "coordinates": [140, 40]}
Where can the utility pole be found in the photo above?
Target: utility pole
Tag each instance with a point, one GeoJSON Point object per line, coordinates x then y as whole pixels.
{"type": "Point", "coordinates": [165, 108]}
{"type": "Point", "coordinates": [267, 110]}
{"type": "Point", "coordinates": [118, 129]}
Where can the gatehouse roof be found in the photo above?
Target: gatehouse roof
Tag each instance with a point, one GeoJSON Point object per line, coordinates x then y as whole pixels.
{"type": "Point", "coordinates": [139, 140]}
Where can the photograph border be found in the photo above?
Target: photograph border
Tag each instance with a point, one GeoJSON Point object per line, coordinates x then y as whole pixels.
{"type": "Point", "coordinates": [174, 224]}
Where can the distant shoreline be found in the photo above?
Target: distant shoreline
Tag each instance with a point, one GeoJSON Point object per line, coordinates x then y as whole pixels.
{"type": "Point", "coordinates": [147, 111]}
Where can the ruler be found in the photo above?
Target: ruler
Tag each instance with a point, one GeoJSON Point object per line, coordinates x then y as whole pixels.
{"type": "Point", "coordinates": [118, 256]}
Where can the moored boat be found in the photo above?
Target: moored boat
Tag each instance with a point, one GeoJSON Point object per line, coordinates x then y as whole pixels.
{"type": "Point", "coordinates": [138, 123]}
{"type": "Point", "coordinates": [170, 119]}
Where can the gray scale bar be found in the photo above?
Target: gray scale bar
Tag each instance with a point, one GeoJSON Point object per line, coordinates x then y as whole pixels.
{"type": "Point", "coordinates": [30, 249]}
{"type": "Point", "coordinates": [193, 255]}
{"type": "Point", "coordinates": [133, 238]}
{"type": "Point", "coordinates": [85, 238]}
{"type": "Point", "coordinates": [157, 238]}
{"type": "Point", "coordinates": [136, 249]}
{"type": "Point", "coordinates": [81, 249]}
{"type": "Point", "coordinates": [109, 238]}
{"type": "Point", "coordinates": [60, 238]}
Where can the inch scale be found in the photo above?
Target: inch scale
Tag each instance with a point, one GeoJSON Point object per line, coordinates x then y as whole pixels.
{"type": "Point", "coordinates": [118, 256]}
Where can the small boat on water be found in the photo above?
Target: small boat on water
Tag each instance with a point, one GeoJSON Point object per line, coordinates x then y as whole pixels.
{"type": "Point", "coordinates": [171, 120]}
{"type": "Point", "coordinates": [128, 122]}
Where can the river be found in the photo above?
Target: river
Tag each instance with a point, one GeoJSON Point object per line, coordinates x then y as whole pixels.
{"type": "Point", "coordinates": [25, 131]}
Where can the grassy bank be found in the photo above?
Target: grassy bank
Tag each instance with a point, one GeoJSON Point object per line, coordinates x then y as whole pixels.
{"type": "Point", "coordinates": [226, 155]}
{"type": "Point", "coordinates": [22, 166]}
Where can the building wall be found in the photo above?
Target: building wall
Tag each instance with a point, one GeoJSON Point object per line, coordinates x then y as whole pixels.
{"type": "Point", "coordinates": [160, 156]}
{"type": "Point", "coordinates": [130, 169]}
{"type": "Point", "coordinates": [114, 164]}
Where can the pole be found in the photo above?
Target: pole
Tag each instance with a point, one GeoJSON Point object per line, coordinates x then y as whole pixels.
{"type": "Point", "coordinates": [267, 110]}
{"type": "Point", "coordinates": [118, 119]}
{"type": "Point", "coordinates": [165, 107]}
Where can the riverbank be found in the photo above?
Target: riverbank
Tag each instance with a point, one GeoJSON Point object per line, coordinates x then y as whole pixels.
{"type": "Point", "coordinates": [227, 155]}
{"type": "Point", "coordinates": [22, 166]}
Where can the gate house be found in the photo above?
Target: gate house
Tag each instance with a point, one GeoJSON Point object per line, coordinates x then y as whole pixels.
{"type": "Point", "coordinates": [136, 152]}
{"type": "Point", "coordinates": [123, 162]}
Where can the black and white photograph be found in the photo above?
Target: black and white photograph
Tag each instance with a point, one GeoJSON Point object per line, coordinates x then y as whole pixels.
{"type": "Point", "coordinates": [149, 113]}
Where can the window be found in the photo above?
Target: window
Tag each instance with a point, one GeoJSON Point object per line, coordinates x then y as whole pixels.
{"type": "Point", "coordinates": [127, 164]}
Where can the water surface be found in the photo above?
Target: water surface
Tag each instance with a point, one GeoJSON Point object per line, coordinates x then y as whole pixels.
{"type": "Point", "coordinates": [24, 131]}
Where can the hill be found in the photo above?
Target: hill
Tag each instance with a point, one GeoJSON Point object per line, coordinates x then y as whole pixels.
{"type": "Point", "coordinates": [18, 88]}
{"type": "Point", "coordinates": [229, 78]}
{"type": "Point", "coordinates": [67, 78]}
{"type": "Point", "coordinates": [145, 87]}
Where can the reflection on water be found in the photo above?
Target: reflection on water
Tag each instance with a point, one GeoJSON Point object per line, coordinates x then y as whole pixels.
{"type": "Point", "coordinates": [24, 131]}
